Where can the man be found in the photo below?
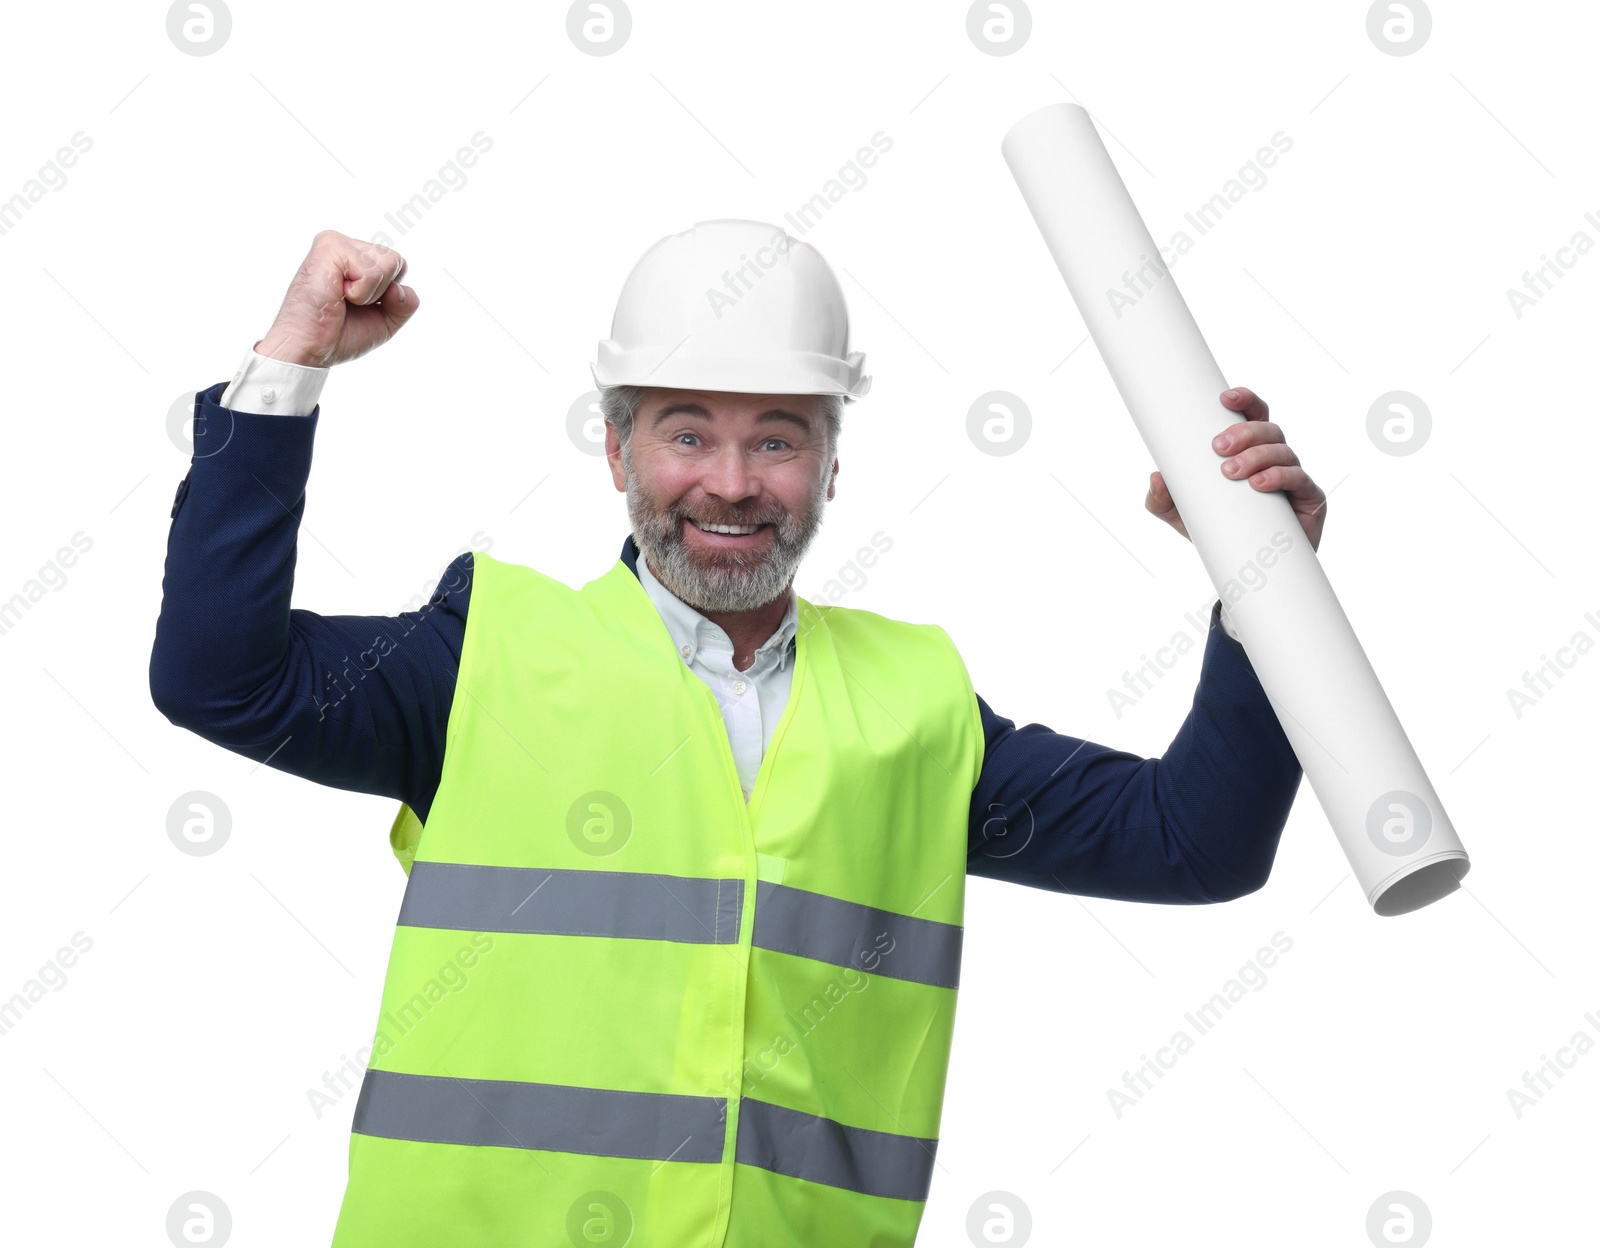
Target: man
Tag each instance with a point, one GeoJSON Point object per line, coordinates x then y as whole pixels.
{"type": "Point", "coordinates": [679, 949]}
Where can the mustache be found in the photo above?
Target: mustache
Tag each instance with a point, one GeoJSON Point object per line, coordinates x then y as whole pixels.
{"type": "Point", "coordinates": [680, 514]}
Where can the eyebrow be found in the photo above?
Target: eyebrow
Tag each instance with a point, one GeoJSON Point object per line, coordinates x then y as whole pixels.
{"type": "Point", "coordinates": [694, 409]}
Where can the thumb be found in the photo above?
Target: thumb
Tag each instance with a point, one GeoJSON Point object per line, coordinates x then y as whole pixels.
{"type": "Point", "coordinates": [398, 304]}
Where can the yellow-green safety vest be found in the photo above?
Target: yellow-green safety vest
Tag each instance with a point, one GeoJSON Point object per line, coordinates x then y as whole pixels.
{"type": "Point", "coordinates": [622, 1006]}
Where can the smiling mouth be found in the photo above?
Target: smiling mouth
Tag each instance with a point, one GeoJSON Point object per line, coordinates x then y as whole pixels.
{"type": "Point", "coordinates": [727, 528]}
{"type": "Point", "coordinates": [729, 534]}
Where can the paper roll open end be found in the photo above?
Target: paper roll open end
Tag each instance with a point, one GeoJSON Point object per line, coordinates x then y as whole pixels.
{"type": "Point", "coordinates": [1421, 884]}
{"type": "Point", "coordinates": [1049, 115]}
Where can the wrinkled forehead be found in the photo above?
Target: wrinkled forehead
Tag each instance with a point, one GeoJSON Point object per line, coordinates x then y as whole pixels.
{"type": "Point", "coordinates": [800, 411]}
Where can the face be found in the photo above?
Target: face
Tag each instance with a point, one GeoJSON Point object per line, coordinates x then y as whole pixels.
{"type": "Point", "coordinates": [708, 458]}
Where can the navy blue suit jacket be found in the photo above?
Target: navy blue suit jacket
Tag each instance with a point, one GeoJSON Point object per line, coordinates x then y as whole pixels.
{"type": "Point", "coordinates": [234, 663]}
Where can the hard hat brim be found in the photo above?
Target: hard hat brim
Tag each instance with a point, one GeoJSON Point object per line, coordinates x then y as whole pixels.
{"type": "Point", "coordinates": [798, 373]}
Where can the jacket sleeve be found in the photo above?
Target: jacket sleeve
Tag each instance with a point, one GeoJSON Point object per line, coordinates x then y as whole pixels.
{"type": "Point", "coordinates": [358, 702]}
{"type": "Point", "coordinates": [1199, 824]}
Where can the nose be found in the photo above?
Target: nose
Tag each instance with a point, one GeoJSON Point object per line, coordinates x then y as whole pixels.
{"type": "Point", "coordinates": [728, 476]}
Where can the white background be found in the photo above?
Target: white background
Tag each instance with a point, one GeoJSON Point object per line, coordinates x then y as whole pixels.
{"type": "Point", "coordinates": [1377, 257]}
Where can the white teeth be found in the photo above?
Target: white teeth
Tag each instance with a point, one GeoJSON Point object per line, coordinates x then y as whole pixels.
{"type": "Point", "coordinates": [727, 528]}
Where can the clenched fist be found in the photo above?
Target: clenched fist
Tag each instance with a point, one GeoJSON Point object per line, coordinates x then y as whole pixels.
{"type": "Point", "coordinates": [345, 300]}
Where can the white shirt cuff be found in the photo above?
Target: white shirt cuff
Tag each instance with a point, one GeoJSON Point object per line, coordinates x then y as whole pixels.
{"type": "Point", "coordinates": [268, 387]}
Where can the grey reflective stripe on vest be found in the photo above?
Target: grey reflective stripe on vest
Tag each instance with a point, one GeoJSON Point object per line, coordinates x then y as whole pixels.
{"type": "Point", "coordinates": [846, 933]}
{"type": "Point", "coordinates": [634, 904]}
{"type": "Point", "coordinates": [805, 1146]}
{"type": "Point", "coordinates": [548, 1116]}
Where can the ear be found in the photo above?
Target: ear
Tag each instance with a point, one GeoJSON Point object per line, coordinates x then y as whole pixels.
{"type": "Point", "coordinates": [619, 476]}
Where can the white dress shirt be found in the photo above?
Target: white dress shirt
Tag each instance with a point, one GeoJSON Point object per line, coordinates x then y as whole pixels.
{"type": "Point", "coordinates": [752, 700]}
{"type": "Point", "coordinates": [270, 387]}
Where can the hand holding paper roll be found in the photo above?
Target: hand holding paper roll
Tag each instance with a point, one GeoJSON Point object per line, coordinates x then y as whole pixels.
{"type": "Point", "coordinates": [1258, 454]}
{"type": "Point", "coordinates": [1389, 821]}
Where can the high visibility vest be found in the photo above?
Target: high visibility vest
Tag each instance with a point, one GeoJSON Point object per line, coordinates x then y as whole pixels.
{"type": "Point", "coordinates": [623, 1006]}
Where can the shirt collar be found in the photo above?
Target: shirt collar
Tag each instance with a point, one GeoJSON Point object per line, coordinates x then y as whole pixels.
{"type": "Point", "coordinates": [691, 630]}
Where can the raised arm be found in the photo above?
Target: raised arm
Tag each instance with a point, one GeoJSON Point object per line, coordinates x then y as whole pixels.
{"type": "Point", "coordinates": [356, 702]}
{"type": "Point", "coordinates": [1199, 824]}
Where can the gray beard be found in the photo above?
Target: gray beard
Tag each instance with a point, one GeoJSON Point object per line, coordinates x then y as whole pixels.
{"type": "Point", "coordinates": [732, 580]}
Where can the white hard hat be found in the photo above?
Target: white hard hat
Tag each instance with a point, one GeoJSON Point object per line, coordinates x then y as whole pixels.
{"type": "Point", "coordinates": [732, 305]}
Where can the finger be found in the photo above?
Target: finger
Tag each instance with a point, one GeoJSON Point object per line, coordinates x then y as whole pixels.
{"type": "Point", "coordinates": [1254, 459]}
{"type": "Point", "coordinates": [1158, 502]}
{"type": "Point", "coordinates": [391, 277]}
{"type": "Point", "coordinates": [1246, 433]}
{"type": "Point", "coordinates": [389, 264]}
{"type": "Point", "coordinates": [1305, 495]}
{"type": "Point", "coordinates": [1246, 401]}
{"type": "Point", "coordinates": [398, 305]}
{"type": "Point", "coordinates": [398, 268]}
{"type": "Point", "coordinates": [369, 272]}
{"type": "Point", "coordinates": [1289, 477]}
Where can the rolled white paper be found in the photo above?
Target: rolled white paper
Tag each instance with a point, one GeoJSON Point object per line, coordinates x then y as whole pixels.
{"type": "Point", "coordinates": [1389, 821]}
